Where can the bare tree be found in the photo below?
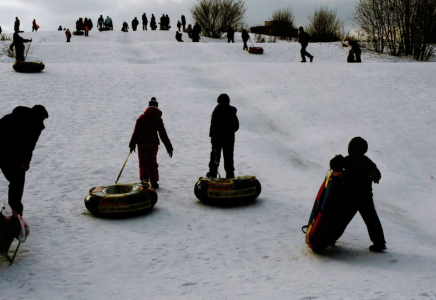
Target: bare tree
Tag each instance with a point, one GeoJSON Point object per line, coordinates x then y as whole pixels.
{"type": "Point", "coordinates": [216, 16]}
{"type": "Point", "coordinates": [283, 22]}
{"type": "Point", "coordinates": [325, 26]}
{"type": "Point", "coordinates": [405, 27]}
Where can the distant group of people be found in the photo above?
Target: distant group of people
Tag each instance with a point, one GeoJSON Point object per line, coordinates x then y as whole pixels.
{"type": "Point", "coordinates": [103, 23]}
{"type": "Point", "coordinates": [84, 25]}
{"type": "Point", "coordinates": [164, 22]}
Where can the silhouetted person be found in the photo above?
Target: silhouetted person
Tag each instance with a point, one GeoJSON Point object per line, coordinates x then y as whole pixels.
{"type": "Point", "coordinates": [360, 172]}
{"type": "Point", "coordinates": [86, 26]}
{"type": "Point", "coordinates": [230, 35]}
{"type": "Point", "coordinates": [34, 26]}
{"type": "Point", "coordinates": [153, 22]}
{"type": "Point", "coordinates": [167, 22]}
{"type": "Point", "coordinates": [179, 36]}
{"type": "Point", "coordinates": [245, 37]}
{"type": "Point", "coordinates": [125, 27]}
{"type": "Point", "coordinates": [60, 28]}
{"type": "Point", "coordinates": [145, 135]}
{"type": "Point", "coordinates": [16, 25]}
{"type": "Point", "coordinates": [18, 43]}
{"type": "Point", "coordinates": [303, 39]}
{"type": "Point", "coordinates": [107, 22]}
{"type": "Point", "coordinates": [183, 22]}
{"type": "Point", "coordinates": [0, 30]}
{"type": "Point", "coordinates": [189, 31]}
{"type": "Point", "coordinates": [68, 35]}
{"type": "Point", "coordinates": [20, 132]}
{"type": "Point", "coordinates": [100, 22]}
{"type": "Point", "coordinates": [144, 22]}
{"type": "Point", "coordinates": [179, 25]}
{"type": "Point", "coordinates": [196, 33]}
{"type": "Point", "coordinates": [135, 24]}
{"type": "Point", "coordinates": [355, 50]}
{"type": "Point", "coordinates": [223, 125]}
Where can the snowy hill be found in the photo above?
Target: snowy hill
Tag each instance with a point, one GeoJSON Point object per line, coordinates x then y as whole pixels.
{"type": "Point", "coordinates": [294, 118]}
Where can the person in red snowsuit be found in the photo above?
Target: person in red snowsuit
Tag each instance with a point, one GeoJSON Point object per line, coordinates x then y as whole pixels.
{"type": "Point", "coordinates": [145, 135]}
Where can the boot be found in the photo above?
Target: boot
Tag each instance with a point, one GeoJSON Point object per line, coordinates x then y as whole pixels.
{"type": "Point", "coordinates": [377, 248]}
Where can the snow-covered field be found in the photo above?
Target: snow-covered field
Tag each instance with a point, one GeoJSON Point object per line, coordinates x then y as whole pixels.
{"type": "Point", "coordinates": [294, 118]}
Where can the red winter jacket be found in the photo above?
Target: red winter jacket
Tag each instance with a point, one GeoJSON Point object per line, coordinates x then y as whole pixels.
{"type": "Point", "coordinates": [146, 129]}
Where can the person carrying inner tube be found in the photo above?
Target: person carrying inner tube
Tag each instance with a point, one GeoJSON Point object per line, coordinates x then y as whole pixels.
{"type": "Point", "coordinates": [18, 43]}
{"type": "Point", "coordinates": [223, 126]}
{"type": "Point", "coordinates": [145, 135]}
{"type": "Point", "coordinates": [360, 172]}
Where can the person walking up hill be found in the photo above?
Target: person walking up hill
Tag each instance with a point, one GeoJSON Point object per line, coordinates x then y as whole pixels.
{"type": "Point", "coordinates": [20, 132]}
{"type": "Point", "coordinates": [148, 129]}
{"type": "Point", "coordinates": [303, 39]}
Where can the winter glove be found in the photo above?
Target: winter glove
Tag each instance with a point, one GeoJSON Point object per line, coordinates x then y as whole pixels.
{"type": "Point", "coordinates": [170, 154]}
{"type": "Point", "coordinates": [132, 149]}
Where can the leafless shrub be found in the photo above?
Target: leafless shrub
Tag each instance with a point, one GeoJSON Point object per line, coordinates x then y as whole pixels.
{"type": "Point", "coordinates": [403, 27]}
{"type": "Point", "coordinates": [325, 26]}
{"type": "Point", "coordinates": [216, 16]}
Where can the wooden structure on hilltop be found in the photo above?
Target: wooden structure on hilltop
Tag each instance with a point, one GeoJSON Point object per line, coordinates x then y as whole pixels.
{"type": "Point", "coordinates": [276, 28]}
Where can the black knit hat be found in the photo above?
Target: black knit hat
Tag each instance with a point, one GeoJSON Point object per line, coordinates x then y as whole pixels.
{"type": "Point", "coordinates": [153, 102]}
{"type": "Point", "coordinates": [223, 99]}
{"type": "Point", "coordinates": [40, 110]}
{"type": "Point", "coordinates": [337, 163]}
{"type": "Point", "coordinates": [357, 146]}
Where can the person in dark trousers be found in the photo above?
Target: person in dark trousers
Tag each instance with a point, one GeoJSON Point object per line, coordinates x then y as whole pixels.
{"type": "Point", "coordinates": [145, 135]}
{"type": "Point", "coordinates": [135, 24]}
{"type": "Point", "coordinates": [16, 25]}
{"type": "Point", "coordinates": [86, 26]}
{"type": "Point", "coordinates": [355, 50]}
{"type": "Point", "coordinates": [183, 22]}
{"type": "Point", "coordinates": [144, 21]}
{"type": "Point", "coordinates": [167, 22]}
{"type": "Point", "coordinates": [303, 39]}
{"type": "Point", "coordinates": [179, 25]}
{"type": "Point", "coordinates": [196, 30]}
{"type": "Point", "coordinates": [100, 22]}
{"type": "Point", "coordinates": [0, 30]}
{"type": "Point", "coordinates": [360, 172]}
{"type": "Point", "coordinates": [223, 125]}
{"type": "Point", "coordinates": [34, 26]}
{"type": "Point", "coordinates": [230, 35]}
{"type": "Point", "coordinates": [20, 132]}
{"type": "Point", "coordinates": [153, 22]}
{"type": "Point", "coordinates": [245, 37]}
{"type": "Point", "coordinates": [18, 43]}
{"type": "Point", "coordinates": [68, 35]}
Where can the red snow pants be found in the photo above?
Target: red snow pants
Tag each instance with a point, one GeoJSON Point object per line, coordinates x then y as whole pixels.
{"type": "Point", "coordinates": [147, 154]}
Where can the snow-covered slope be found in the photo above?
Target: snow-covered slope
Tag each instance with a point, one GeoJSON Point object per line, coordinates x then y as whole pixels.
{"type": "Point", "coordinates": [294, 118]}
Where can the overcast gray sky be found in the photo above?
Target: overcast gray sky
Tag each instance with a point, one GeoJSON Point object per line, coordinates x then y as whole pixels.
{"type": "Point", "coordinates": [49, 14]}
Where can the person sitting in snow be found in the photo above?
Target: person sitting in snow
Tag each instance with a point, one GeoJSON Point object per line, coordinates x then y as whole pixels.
{"type": "Point", "coordinates": [125, 27]}
{"type": "Point", "coordinates": [360, 172]}
{"type": "Point", "coordinates": [145, 135]}
{"type": "Point", "coordinates": [179, 36]}
{"type": "Point", "coordinates": [223, 126]}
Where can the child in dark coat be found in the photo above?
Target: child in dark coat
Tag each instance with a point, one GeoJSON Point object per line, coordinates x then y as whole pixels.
{"type": "Point", "coordinates": [145, 135]}
{"type": "Point", "coordinates": [223, 126]}
{"type": "Point", "coordinates": [360, 173]}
